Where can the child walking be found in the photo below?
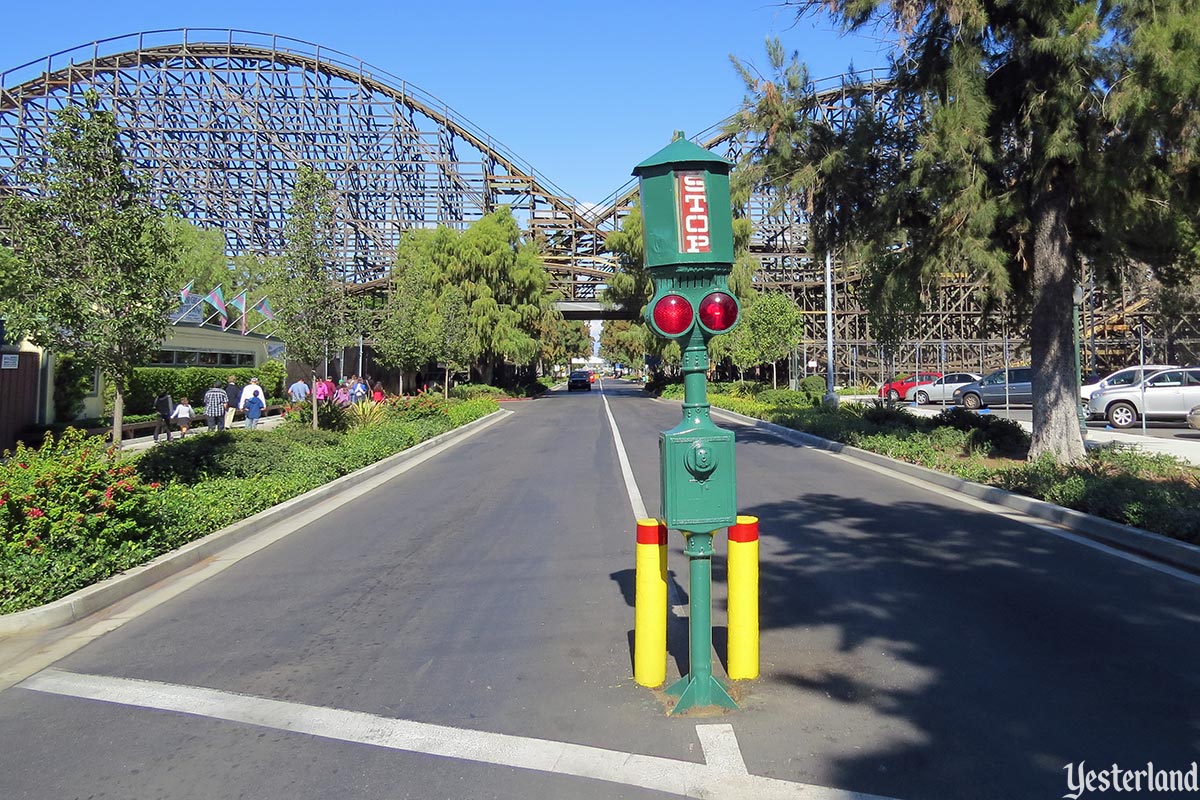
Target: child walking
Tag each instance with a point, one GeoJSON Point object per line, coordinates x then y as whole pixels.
{"type": "Point", "coordinates": [183, 416]}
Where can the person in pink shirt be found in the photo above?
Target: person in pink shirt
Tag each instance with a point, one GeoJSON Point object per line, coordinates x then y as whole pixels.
{"type": "Point", "coordinates": [321, 390]}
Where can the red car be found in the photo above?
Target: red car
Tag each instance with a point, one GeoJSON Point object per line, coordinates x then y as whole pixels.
{"type": "Point", "coordinates": [896, 388]}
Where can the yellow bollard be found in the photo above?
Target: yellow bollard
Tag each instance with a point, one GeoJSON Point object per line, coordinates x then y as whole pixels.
{"type": "Point", "coordinates": [743, 599]}
{"type": "Point", "coordinates": [650, 604]}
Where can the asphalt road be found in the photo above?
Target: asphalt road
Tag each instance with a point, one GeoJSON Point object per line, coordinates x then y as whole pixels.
{"type": "Point", "coordinates": [913, 645]}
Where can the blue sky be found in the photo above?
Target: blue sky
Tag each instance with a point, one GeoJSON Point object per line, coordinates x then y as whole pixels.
{"type": "Point", "coordinates": [583, 91]}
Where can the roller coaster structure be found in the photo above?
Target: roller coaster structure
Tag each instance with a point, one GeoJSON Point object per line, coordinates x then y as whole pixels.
{"type": "Point", "coordinates": [219, 121]}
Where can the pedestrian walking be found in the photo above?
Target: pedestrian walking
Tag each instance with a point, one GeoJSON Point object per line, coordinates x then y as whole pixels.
{"type": "Point", "coordinates": [253, 407]}
{"type": "Point", "coordinates": [215, 401]}
{"type": "Point", "coordinates": [321, 390]}
{"type": "Point", "coordinates": [248, 390]}
{"type": "Point", "coordinates": [298, 391]}
{"type": "Point", "coordinates": [233, 399]}
{"type": "Point", "coordinates": [377, 393]}
{"type": "Point", "coordinates": [163, 406]}
{"type": "Point", "coordinates": [183, 416]}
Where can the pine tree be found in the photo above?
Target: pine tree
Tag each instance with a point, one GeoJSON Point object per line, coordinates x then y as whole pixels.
{"type": "Point", "coordinates": [1037, 134]}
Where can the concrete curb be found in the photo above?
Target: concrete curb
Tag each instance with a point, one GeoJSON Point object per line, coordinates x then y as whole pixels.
{"type": "Point", "coordinates": [1124, 537]}
{"type": "Point", "coordinates": [91, 599]}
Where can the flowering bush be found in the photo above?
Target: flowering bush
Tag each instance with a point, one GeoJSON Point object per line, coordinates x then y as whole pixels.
{"type": "Point", "coordinates": [70, 514]}
{"type": "Point", "coordinates": [405, 408]}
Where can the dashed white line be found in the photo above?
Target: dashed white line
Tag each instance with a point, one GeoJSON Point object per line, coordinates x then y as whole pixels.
{"type": "Point", "coordinates": [719, 777]}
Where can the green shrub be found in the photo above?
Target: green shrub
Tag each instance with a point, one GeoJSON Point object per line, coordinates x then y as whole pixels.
{"type": "Point", "coordinates": [71, 514]}
{"type": "Point", "coordinates": [366, 414]}
{"type": "Point", "coordinates": [469, 391]}
{"type": "Point", "coordinates": [330, 415]}
{"type": "Point", "coordinates": [405, 408]}
{"type": "Point", "coordinates": [813, 387]}
{"type": "Point", "coordinates": [272, 375]}
{"type": "Point", "coordinates": [783, 398]}
{"type": "Point", "coordinates": [471, 410]}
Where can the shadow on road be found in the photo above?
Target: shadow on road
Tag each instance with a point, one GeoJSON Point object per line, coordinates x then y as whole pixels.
{"type": "Point", "coordinates": [1001, 652]}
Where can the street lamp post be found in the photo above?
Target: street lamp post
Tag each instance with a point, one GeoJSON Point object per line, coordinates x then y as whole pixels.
{"type": "Point", "coordinates": [1077, 300]}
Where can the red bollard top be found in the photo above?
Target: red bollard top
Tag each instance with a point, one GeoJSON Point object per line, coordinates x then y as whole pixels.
{"type": "Point", "coordinates": [651, 531]}
{"type": "Point", "coordinates": [744, 530]}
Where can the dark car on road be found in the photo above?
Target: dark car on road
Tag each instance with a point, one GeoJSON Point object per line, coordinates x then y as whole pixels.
{"type": "Point", "coordinates": [579, 380]}
{"type": "Point", "coordinates": [1003, 387]}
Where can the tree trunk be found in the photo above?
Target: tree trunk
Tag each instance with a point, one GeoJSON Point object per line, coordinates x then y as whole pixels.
{"type": "Point", "coordinates": [1051, 335]}
{"type": "Point", "coordinates": [313, 395]}
{"type": "Point", "coordinates": [118, 420]}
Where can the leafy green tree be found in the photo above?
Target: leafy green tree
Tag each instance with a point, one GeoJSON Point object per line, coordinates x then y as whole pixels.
{"type": "Point", "coordinates": [624, 341]}
{"type": "Point", "coordinates": [312, 308]}
{"type": "Point", "coordinates": [1037, 135]}
{"type": "Point", "coordinates": [406, 335]}
{"type": "Point", "coordinates": [456, 344]}
{"type": "Point", "coordinates": [92, 274]}
{"type": "Point", "coordinates": [773, 326]}
{"type": "Point", "coordinates": [504, 283]}
{"type": "Point", "coordinates": [200, 256]}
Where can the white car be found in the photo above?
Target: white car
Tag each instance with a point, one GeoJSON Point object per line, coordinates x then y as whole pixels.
{"type": "Point", "coordinates": [1169, 394]}
{"type": "Point", "coordinates": [1129, 376]}
{"type": "Point", "coordinates": [941, 390]}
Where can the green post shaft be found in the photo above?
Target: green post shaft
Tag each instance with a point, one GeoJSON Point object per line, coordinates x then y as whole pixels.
{"type": "Point", "coordinates": [694, 365]}
{"type": "Point", "coordinates": [700, 622]}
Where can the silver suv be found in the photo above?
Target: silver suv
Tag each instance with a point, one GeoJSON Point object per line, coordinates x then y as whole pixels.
{"type": "Point", "coordinates": [1166, 395]}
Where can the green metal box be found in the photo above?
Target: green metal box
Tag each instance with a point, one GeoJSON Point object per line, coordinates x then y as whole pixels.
{"type": "Point", "coordinates": [699, 489]}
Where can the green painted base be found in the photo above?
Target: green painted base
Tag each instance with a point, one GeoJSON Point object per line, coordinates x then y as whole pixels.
{"type": "Point", "coordinates": [706, 691]}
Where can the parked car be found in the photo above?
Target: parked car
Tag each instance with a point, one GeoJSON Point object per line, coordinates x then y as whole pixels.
{"type": "Point", "coordinates": [898, 387]}
{"type": "Point", "coordinates": [580, 380]}
{"type": "Point", "coordinates": [1012, 386]}
{"type": "Point", "coordinates": [941, 390]}
{"type": "Point", "coordinates": [1122, 377]}
{"type": "Point", "coordinates": [1169, 394]}
{"type": "Point", "coordinates": [1193, 418]}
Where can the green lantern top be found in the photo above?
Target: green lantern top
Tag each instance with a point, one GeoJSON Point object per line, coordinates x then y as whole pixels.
{"type": "Point", "coordinates": [686, 211]}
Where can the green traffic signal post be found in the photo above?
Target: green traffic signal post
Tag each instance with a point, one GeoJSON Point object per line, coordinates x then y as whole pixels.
{"type": "Point", "coordinates": [688, 229]}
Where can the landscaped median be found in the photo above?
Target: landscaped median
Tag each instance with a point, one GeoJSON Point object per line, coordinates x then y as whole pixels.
{"type": "Point", "coordinates": [74, 512]}
{"type": "Point", "coordinates": [1151, 492]}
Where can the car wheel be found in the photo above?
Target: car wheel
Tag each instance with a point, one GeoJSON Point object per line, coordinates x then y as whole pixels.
{"type": "Point", "coordinates": [1122, 415]}
{"type": "Point", "coordinates": [893, 395]}
{"type": "Point", "coordinates": [922, 398]}
{"type": "Point", "coordinates": [971, 401]}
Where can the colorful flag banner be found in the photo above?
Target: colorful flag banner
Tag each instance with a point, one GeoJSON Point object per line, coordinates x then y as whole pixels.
{"type": "Point", "coordinates": [264, 308]}
{"type": "Point", "coordinates": [185, 293]}
{"type": "Point", "coordinates": [216, 299]}
{"type": "Point", "coordinates": [239, 303]}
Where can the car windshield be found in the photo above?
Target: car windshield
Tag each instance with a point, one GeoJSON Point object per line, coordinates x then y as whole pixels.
{"type": "Point", "coordinates": [579, 376]}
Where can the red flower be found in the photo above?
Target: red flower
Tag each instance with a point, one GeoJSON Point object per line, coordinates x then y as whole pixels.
{"type": "Point", "coordinates": [34, 513]}
{"type": "Point", "coordinates": [23, 466]}
{"type": "Point", "coordinates": [154, 485]}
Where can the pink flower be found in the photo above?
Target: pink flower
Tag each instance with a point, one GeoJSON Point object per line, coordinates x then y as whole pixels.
{"type": "Point", "coordinates": [34, 513]}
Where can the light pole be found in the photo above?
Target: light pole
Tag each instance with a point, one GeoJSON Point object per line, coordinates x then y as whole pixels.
{"type": "Point", "coordinates": [831, 399]}
{"type": "Point", "coordinates": [1076, 300]}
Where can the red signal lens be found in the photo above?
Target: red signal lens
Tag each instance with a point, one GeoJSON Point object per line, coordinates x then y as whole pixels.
{"type": "Point", "coordinates": [673, 314]}
{"type": "Point", "coordinates": [718, 312]}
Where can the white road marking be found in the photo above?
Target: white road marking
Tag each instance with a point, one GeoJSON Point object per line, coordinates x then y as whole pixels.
{"type": "Point", "coordinates": [1002, 511]}
{"type": "Point", "coordinates": [721, 751]}
{"type": "Point", "coordinates": [717, 778]}
{"type": "Point", "coordinates": [679, 608]}
{"type": "Point", "coordinates": [635, 497]}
